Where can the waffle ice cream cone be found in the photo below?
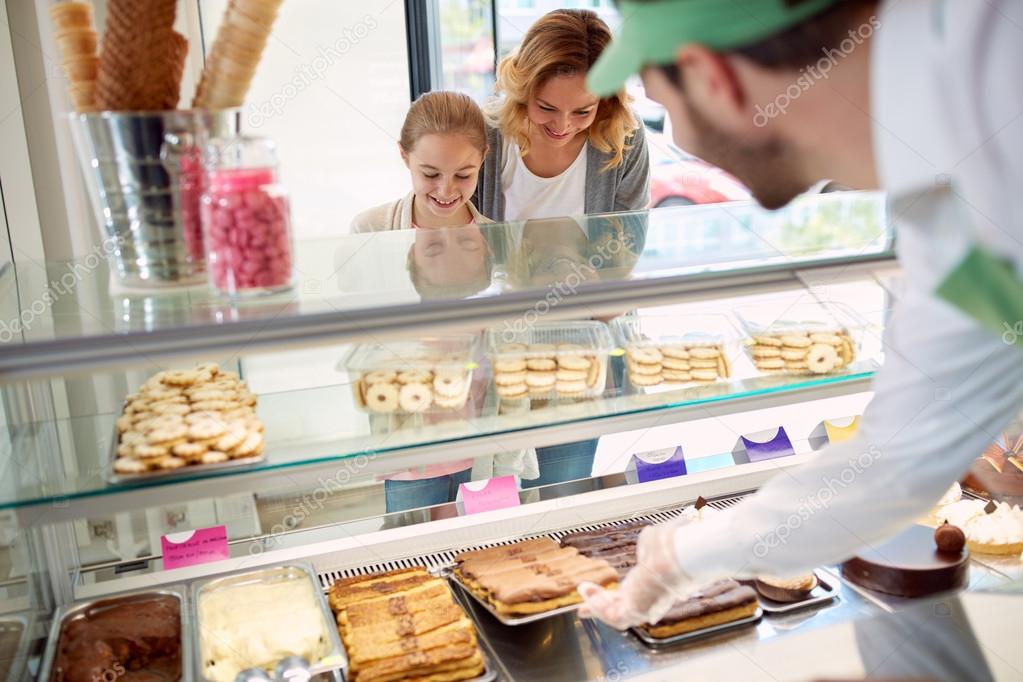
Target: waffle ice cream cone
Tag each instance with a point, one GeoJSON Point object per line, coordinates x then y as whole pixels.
{"type": "Point", "coordinates": [78, 43]}
{"type": "Point", "coordinates": [81, 70]}
{"type": "Point", "coordinates": [142, 60]}
{"type": "Point", "coordinates": [71, 15]}
{"type": "Point", "coordinates": [236, 52]}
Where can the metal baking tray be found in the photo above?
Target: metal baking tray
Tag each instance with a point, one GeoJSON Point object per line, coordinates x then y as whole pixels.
{"type": "Point", "coordinates": [15, 663]}
{"type": "Point", "coordinates": [66, 613]}
{"type": "Point", "coordinates": [504, 618]}
{"type": "Point", "coordinates": [823, 593]}
{"type": "Point", "coordinates": [328, 668]}
{"type": "Point", "coordinates": [660, 643]}
{"type": "Point", "coordinates": [184, 472]}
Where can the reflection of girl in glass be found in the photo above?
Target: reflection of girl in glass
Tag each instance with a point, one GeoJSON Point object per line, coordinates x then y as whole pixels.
{"type": "Point", "coordinates": [452, 263]}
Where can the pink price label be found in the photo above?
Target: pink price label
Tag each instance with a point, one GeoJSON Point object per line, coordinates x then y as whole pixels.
{"type": "Point", "coordinates": [494, 493]}
{"type": "Point", "coordinates": [195, 547]}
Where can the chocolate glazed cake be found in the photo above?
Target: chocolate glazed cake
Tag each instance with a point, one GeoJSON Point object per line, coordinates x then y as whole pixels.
{"type": "Point", "coordinates": [909, 565]}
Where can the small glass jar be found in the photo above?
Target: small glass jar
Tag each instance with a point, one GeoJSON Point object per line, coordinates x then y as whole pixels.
{"type": "Point", "coordinates": [246, 219]}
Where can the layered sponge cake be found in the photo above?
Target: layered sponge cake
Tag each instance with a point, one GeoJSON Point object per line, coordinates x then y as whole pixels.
{"type": "Point", "coordinates": [404, 625]}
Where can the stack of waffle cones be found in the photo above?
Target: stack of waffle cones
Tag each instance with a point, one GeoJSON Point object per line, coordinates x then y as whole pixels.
{"type": "Point", "coordinates": [232, 62]}
{"type": "Point", "coordinates": [78, 40]}
{"type": "Point", "coordinates": [142, 59]}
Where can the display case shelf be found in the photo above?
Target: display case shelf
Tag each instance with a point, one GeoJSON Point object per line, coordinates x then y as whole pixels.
{"type": "Point", "coordinates": [70, 317]}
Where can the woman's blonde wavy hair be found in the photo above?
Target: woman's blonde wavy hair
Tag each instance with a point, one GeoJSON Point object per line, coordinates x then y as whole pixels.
{"type": "Point", "coordinates": [564, 42]}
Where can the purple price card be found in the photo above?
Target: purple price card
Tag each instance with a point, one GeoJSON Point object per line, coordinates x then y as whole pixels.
{"type": "Point", "coordinates": [659, 464]}
{"type": "Point", "coordinates": [764, 445]}
{"type": "Point", "coordinates": [494, 493]}
{"type": "Point", "coordinates": [195, 547]}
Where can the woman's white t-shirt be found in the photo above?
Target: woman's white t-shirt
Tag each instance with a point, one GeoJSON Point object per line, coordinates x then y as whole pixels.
{"type": "Point", "coordinates": [528, 196]}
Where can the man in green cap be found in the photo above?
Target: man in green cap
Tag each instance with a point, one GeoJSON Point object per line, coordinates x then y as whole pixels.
{"type": "Point", "coordinates": [921, 98]}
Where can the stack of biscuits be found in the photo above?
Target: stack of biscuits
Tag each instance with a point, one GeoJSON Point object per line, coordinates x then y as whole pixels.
{"type": "Point", "coordinates": [404, 625]}
{"type": "Point", "coordinates": [531, 576]}
{"type": "Point", "coordinates": [236, 52]}
{"type": "Point", "coordinates": [802, 352]}
{"type": "Point", "coordinates": [183, 418]}
{"type": "Point", "coordinates": [544, 370]}
{"type": "Point", "coordinates": [413, 390]}
{"type": "Point", "coordinates": [78, 43]}
{"type": "Point", "coordinates": [650, 364]}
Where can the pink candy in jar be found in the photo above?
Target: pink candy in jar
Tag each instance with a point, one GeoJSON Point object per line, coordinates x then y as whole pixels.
{"type": "Point", "coordinates": [245, 218]}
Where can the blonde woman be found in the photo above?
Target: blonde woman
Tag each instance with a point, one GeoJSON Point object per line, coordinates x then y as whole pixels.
{"type": "Point", "coordinates": [555, 149]}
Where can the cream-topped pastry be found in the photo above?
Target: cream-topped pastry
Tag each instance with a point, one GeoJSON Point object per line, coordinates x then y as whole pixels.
{"type": "Point", "coordinates": [952, 495]}
{"type": "Point", "coordinates": [960, 513]}
{"type": "Point", "coordinates": [990, 527]}
{"type": "Point", "coordinates": [698, 511]}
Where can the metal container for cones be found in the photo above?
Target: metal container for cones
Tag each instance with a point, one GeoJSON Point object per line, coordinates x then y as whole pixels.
{"type": "Point", "coordinates": [144, 177]}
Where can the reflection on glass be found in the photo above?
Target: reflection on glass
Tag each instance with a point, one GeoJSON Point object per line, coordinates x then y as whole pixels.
{"type": "Point", "coordinates": [450, 263]}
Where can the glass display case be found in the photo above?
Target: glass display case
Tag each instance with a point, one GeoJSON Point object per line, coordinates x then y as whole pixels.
{"type": "Point", "coordinates": [345, 449]}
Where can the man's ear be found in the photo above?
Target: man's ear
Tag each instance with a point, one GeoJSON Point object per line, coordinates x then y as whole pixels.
{"type": "Point", "coordinates": [712, 86]}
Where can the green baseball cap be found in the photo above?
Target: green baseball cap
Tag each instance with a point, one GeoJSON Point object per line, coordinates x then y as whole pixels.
{"type": "Point", "coordinates": [651, 32]}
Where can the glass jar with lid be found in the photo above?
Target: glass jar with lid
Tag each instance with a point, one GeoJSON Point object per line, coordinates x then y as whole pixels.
{"type": "Point", "coordinates": [246, 218]}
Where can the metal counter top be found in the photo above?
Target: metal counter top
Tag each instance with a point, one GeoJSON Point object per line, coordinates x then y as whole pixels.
{"type": "Point", "coordinates": [569, 649]}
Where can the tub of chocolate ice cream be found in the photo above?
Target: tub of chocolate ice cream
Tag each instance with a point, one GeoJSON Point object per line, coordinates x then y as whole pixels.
{"type": "Point", "coordinates": [138, 637]}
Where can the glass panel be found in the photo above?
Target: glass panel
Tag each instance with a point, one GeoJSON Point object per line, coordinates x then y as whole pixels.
{"type": "Point", "coordinates": [389, 270]}
{"type": "Point", "coordinates": [467, 47]}
{"type": "Point", "coordinates": [332, 91]}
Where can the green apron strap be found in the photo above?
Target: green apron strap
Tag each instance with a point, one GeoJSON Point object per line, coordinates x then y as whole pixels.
{"type": "Point", "coordinates": [987, 289]}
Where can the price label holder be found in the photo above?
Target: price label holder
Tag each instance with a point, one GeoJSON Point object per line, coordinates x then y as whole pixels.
{"type": "Point", "coordinates": [475, 497]}
{"type": "Point", "coordinates": [762, 446]}
{"type": "Point", "coordinates": [656, 465]}
{"type": "Point", "coordinates": [194, 547]}
{"type": "Point", "coordinates": [834, 431]}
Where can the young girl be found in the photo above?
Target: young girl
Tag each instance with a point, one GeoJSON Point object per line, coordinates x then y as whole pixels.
{"type": "Point", "coordinates": [443, 144]}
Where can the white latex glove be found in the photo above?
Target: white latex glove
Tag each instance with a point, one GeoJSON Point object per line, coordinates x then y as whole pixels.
{"type": "Point", "coordinates": [650, 588]}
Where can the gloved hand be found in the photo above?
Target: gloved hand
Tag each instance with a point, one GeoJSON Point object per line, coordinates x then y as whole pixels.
{"type": "Point", "coordinates": [648, 591]}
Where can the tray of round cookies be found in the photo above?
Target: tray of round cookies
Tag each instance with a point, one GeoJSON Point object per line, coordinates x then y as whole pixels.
{"type": "Point", "coordinates": [663, 352]}
{"type": "Point", "coordinates": [432, 374]}
{"type": "Point", "coordinates": [801, 338]}
{"type": "Point", "coordinates": [183, 421]}
{"type": "Point", "coordinates": [550, 360]}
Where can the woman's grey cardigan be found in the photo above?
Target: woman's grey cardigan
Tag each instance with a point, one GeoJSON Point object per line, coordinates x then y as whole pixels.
{"type": "Point", "coordinates": [626, 187]}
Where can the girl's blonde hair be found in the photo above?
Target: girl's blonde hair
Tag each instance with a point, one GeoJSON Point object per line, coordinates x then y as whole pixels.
{"type": "Point", "coordinates": [565, 42]}
{"type": "Point", "coordinates": [442, 113]}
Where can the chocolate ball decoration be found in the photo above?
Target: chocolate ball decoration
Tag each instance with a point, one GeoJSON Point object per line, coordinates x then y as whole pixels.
{"type": "Point", "coordinates": [949, 538]}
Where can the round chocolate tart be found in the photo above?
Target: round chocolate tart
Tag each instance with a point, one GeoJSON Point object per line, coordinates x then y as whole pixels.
{"type": "Point", "coordinates": [909, 565]}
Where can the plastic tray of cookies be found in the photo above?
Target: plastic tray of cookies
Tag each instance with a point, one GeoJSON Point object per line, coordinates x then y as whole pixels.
{"type": "Point", "coordinates": [167, 430]}
{"type": "Point", "coordinates": [549, 360]}
{"type": "Point", "coordinates": [822, 593]}
{"type": "Point", "coordinates": [428, 375]}
{"type": "Point", "coordinates": [666, 350]}
{"type": "Point", "coordinates": [801, 338]}
{"type": "Point", "coordinates": [663, 642]}
{"type": "Point", "coordinates": [504, 618]}
{"type": "Point", "coordinates": [85, 611]}
{"type": "Point", "coordinates": [328, 661]}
